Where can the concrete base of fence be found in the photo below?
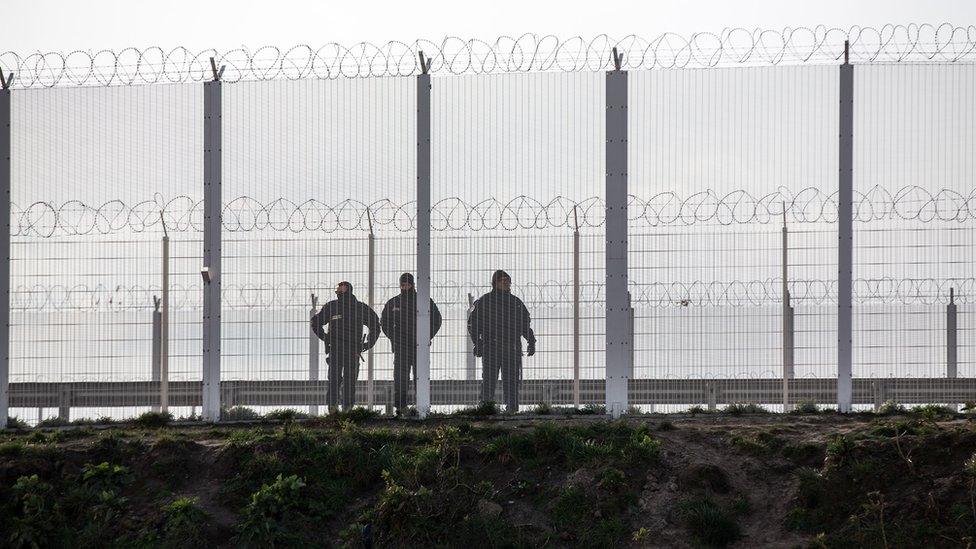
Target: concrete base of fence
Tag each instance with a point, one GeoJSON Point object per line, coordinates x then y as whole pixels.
{"type": "Point", "coordinates": [466, 392]}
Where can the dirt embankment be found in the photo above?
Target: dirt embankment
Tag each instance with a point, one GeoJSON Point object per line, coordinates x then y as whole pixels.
{"type": "Point", "coordinates": [655, 481]}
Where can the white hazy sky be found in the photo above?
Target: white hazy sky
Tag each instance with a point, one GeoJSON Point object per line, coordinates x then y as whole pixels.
{"type": "Point", "coordinates": [65, 25]}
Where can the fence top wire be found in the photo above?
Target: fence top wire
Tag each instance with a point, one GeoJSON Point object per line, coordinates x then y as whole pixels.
{"type": "Point", "coordinates": [259, 295]}
{"type": "Point", "coordinates": [42, 219]}
{"type": "Point", "coordinates": [891, 43]}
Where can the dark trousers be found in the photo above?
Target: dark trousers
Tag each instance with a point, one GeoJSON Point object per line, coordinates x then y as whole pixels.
{"type": "Point", "coordinates": [506, 360]}
{"type": "Point", "coordinates": [404, 362]}
{"type": "Point", "coordinates": [343, 373]}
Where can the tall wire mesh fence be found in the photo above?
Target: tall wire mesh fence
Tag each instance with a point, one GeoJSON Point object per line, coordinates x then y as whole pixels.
{"type": "Point", "coordinates": [732, 236]}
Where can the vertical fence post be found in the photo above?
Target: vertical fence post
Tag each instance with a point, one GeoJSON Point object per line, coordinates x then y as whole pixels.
{"type": "Point", "coordinates": [576, 310]}
{"type": "Point", "coordinates": [630, 330]}
{"type": "Point", "coordinates": [370, 285]}
{"type": "Point", "coordinates": [313, 354]}
{"type": "Point", "coordinates": [618, 337]}
{"type": "Point", "coordinates": [952, 357]}
{"type": "Point", "coordinates": [423, 238]}
{"type": "Point", "coordinates": [787, 320]}
{"type": "Point", "coordinates": [845, 235]}
{"type": "Point", "coordinates": [952, 349]}
{"type": "Point", "coordinates": [211, 244]}
{"type": "Point", "coordinates": [157, 347]}
{"type": "Point", "coordinates": [164, 326]}
{"type": "Point", "coordinates": [4, 247]}
{"type": "Point", "coordinates": [790, 338]}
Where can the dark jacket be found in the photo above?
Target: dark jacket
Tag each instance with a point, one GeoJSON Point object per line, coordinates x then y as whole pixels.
{"type": "Point", "coordinates": [399, 320]}
{"type": "Point", "coordinates": [345, 318]}
{"type": "Point", "coordinates": [499, 318]}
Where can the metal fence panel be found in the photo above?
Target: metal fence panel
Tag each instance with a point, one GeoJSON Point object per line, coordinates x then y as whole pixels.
{"type": "Point", "coordinates": [518, 168]}
{"type": "Point", "coordinates": [96, 173]}
{"type": "Point", "coordinates": [914, 226]}
{"type": "Point", "coordinates": [317, 174]}
{"type": "Point", "coordinates": [717, 157]}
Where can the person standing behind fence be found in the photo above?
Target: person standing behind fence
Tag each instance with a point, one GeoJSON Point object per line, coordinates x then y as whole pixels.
{"type": "Point", "coordinates": [497, 322]}
{"type": "Point", "coordinates": [399, 322]}
{"type": "Point", "coordinates": [344, 341]}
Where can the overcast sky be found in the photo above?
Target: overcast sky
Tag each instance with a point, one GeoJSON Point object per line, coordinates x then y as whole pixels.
{"type": "Point", "coordinates": [63, 25]}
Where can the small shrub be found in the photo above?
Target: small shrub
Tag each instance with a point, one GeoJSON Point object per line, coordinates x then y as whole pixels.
{"type": "Point", "coordinates": [865, 469]}
{"type": "Point", "coordinates": [36, 519]}
{"type": "Point", "coordinates": [266, 517]}
{"type": "Point", "coordinates": [760, 443]}
{"type": "Point", "coordinates": [891, 408]}
{"type": "Point", "coordinates": [184, 523]}
{"type": "Point", "coordinates": [103, 420]}
{"type": "Point", "coordinates": [801, 452]}
{"type": "Point", "coordinates": [103, 513]}
{"type": "Point", "coordinates": [593, 409]}
{"type": "Point", "coordinates": [806, 407]}
{"type": "Point", "coordinates": [37, 437]}
{"type": "Point", "coordinates": [666, 426]}
{"type": "Point", "coordinates": [284, 414]}
{"type": "Point", "coordinates": [810, 491]}
{"type": "Point", "coordinates": [239, 413]}
{"type": "Point", "coordinates": [104, 476]}
{"type": "Point", "coordinates": [612, 479]}
{"type": "Point", "coordinates": [740, 408]}
{"type": "Point", "coordinates": [485, 489]}
{"type": "Point", "coordinates": [643, 448]}
{"type": "Point", "coordinates": [633, 410]}
{"type": "Point", "coordinates": [970, 467]}
{"type": "Point", "coordinates": [484, 408]}
{"type": "Point", "coordinates": [932, 412]}
{"type": "Point", "coordinates": [360, 414]}
{"type": "Point", "coordinates": [153, 420]}
{"type": "Point", "coordinates": [748, 445]}
{"type": "Point", "coordinates": [900, 427]}
{"type": "Point", "coordinates": [570, 508]}
{"type": "Point", "coordinates": [52, 422]}
{"type": "Point", "coordinates": [118, 446]}
{"type": "Point", "coordinates": [840, 449]}
{"type": "Point", "coordinates": [12, 449]}
{"type": "Point", "coordinates": [564, 410]}
{"type": "Point", "coordinates": [16, 424]}
{"type": "Point", "coordinates": [543, 409]}
{"type": "Point", "coordinates": [547, 443]}
{"type": "Point", "coordinates": [698, 409]}
{"type": "Point", "coordinates": [708, 524]}
{"type": "Point", "coordinates": [410, 411]}
{"type": "Point", "coordinates": [346, 419]}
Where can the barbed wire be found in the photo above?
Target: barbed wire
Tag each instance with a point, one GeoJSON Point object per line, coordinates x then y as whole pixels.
{"type": "Point", "coordinates": [549, 294]}
{"type": "Point", "coordinates": [891, 43]}
{"type": "Point", "coordinates": [245, 213]}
